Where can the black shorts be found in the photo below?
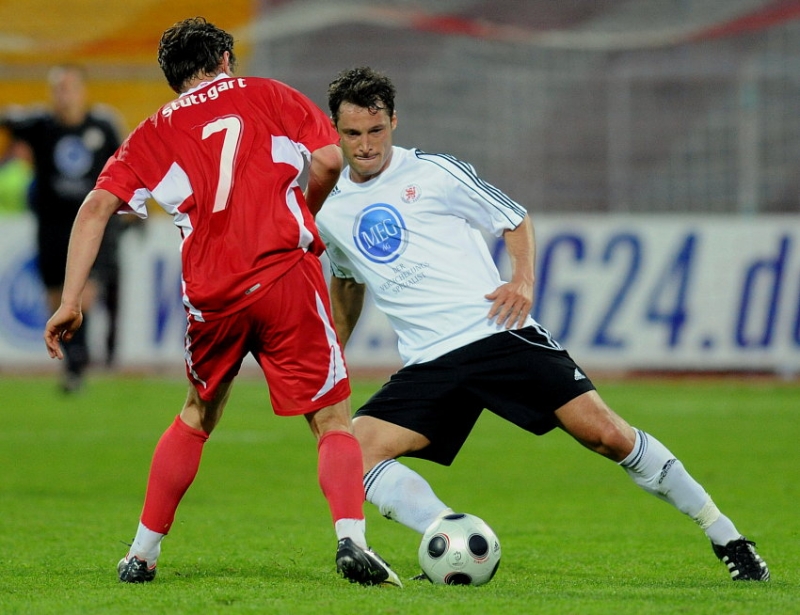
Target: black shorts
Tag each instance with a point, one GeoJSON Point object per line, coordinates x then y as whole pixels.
{"type": "Point", "coordinates": [522, 376]}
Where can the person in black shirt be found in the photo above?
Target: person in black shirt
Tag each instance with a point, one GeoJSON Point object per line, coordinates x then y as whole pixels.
{"type": "Point", "coordinates": [70, 143]}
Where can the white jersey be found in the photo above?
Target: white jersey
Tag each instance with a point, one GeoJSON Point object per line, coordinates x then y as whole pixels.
{"type": "Point", "coordinates": [412, 235]}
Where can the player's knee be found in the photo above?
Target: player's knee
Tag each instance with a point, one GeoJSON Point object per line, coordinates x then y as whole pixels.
{"type": "Point", "coordinates": [380, 440]}
{"type": "Point", "coordinates": [374, 451]}
{"type": "Point", "coordinates": [201, 414]}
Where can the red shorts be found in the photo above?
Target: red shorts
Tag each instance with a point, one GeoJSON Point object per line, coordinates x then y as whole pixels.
{"type": "Point", "coordinates": [290, 333]}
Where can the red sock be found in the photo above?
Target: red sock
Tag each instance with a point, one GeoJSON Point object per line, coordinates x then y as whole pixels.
{"type": "Point", "coordinates": [340, 470]}
{"type": "Point", "coordinates": [174, 466]}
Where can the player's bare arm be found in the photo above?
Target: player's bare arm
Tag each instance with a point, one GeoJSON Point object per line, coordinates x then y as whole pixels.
{"type": "Point", "coordinates": [512, 301]}
{"type": "Point", "coordinates": [326, 165]}
{"type": "Point", "coordinates": [85, 239]}
{"type": "Point", "coordinates": [347, 300]}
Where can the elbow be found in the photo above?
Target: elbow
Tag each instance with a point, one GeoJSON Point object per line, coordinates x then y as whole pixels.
{"type": "Point", "coordinates": [329, 159]}
{"type": "Point", "coordinates": [100, 205]}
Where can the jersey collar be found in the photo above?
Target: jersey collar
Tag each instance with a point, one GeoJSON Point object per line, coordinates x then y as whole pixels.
{"type": "Point", "coordinates": [204, 84]}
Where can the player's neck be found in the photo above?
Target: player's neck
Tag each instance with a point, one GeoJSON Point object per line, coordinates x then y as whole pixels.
{"type": "Point", "coordinates": [71, 117]}
{"type": "Point", "coordinates": [198, 81]}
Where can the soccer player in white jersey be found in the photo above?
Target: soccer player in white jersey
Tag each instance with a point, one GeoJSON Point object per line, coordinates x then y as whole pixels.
{"type": "Point", "coordinates": [404, 224]}
{"type": "Point", "coordinates": [224, 159]}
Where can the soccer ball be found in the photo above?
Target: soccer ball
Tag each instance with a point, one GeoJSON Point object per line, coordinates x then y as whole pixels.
{"type": "Point", "coordinates": [459, 549]}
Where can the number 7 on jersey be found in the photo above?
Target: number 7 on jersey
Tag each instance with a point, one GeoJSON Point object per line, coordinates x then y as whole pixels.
{"type": "Point", "coordinates": [232, 127]}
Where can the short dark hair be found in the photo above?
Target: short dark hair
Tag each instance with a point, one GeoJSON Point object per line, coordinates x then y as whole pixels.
{"type": "Point", "coordinates": [363, 87]}
{"type": "Point", "coordinates": [192, 48]}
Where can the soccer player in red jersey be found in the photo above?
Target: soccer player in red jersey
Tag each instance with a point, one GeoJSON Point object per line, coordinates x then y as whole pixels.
{"type": "Point", "coordinates": [224, 160]}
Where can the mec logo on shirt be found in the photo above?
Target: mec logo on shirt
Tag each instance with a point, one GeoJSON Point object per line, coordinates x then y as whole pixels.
{"type": "Point", "coordinates": [380, 233]}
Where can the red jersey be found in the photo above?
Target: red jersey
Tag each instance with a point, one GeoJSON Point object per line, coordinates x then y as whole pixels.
{"type": "Point", "coordinates": [224, 160]}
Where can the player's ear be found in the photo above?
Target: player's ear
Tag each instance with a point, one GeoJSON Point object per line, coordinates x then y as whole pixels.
{"type": "Point", "coordinates": [394, 120]}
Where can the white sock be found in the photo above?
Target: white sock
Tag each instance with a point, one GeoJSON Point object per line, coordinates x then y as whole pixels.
{"type": "Point", "coordinates": [355, 529]}
{"type": "Point", "coordinates": [403, 495]}
{"type": "Point", "coordinates": [656, 470]}
{"type": "Point", "coordinates": [146, 545]}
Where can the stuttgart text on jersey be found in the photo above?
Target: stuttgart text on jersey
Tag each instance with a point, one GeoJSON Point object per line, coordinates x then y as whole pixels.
{"type": "Point", "coordinates": [211, 93]}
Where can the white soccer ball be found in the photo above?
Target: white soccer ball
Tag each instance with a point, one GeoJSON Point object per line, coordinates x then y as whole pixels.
{"type": "Point", "coordinates": [459, 549]}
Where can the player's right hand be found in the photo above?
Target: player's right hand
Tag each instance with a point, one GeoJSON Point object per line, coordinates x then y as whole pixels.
{"type": "Point", "coordinates": [61, 327]}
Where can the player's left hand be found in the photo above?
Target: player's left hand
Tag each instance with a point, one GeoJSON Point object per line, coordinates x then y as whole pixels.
{"type": "Point", "coordinates": [61, 327]}
{"type": "Point", "coordinates": [511, 304]}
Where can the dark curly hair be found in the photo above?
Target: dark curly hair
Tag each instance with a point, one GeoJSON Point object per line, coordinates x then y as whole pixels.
{"type": "Point", "coordinates": [363, 87]}
{"type": "Point", "coordinates": [192, 48]}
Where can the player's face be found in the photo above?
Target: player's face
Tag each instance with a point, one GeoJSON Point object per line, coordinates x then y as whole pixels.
{"type": "Point", "coordinates": [366, 140]}
{"type": "Point", "coordinates": [69, 94]}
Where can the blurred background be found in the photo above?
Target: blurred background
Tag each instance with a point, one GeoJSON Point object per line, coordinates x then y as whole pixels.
{"type": "Point", "coordinates": [655, 143]}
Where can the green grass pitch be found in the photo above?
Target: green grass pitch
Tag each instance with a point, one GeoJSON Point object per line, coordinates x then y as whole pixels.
{"type": "Point", "coordinates": [253, 534]}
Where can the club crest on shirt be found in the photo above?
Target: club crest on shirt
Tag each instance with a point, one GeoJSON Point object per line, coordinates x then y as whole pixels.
{"type": "Point", "coordinates": [380, 233]}
{"type": "Point", "coordinates": [411, 193]}
{"type": "Point", "coordinates": [71, 156]}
